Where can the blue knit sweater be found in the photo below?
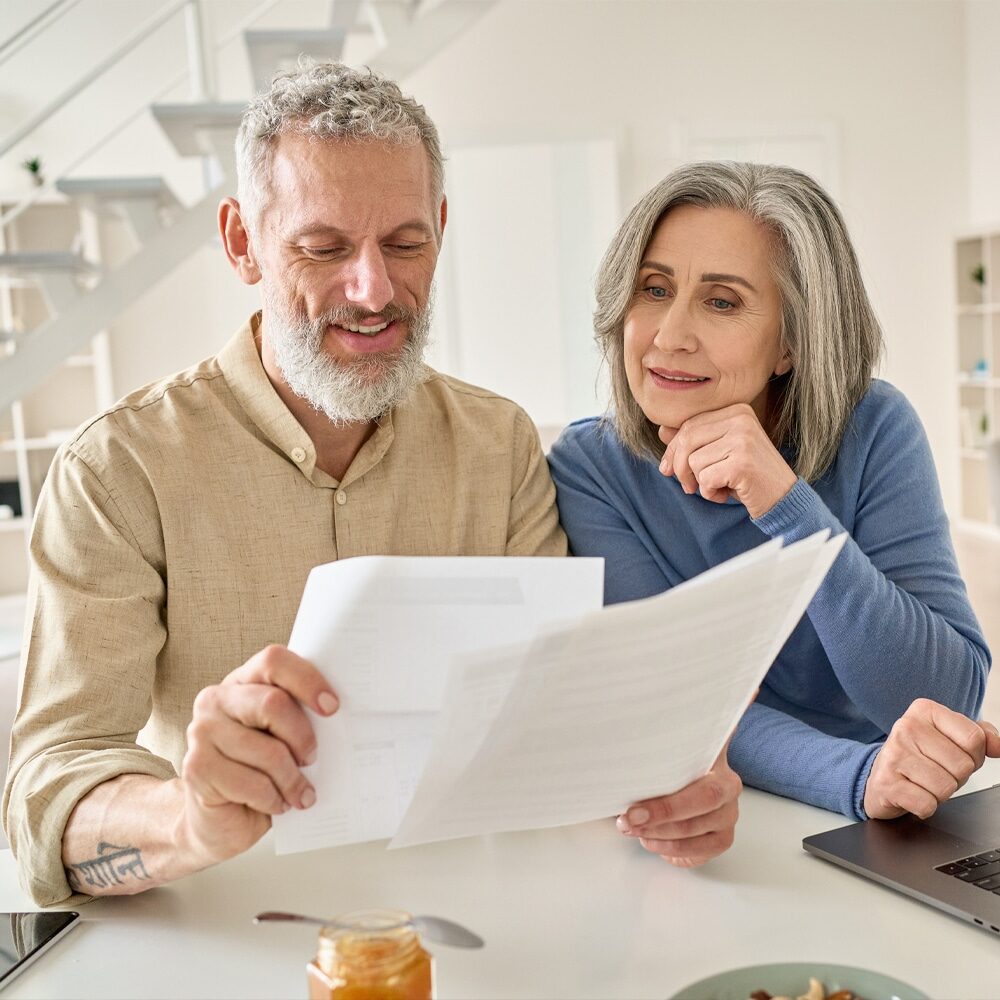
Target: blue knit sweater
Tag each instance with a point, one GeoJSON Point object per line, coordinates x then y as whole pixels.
{"type": "Point", "coordinates": [890, 623]}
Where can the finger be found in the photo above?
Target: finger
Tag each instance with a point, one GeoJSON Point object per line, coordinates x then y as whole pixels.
{"type": "Point", "coordinates": [933, 745]}
{"type": "Point", "coordinates": [282, 668]}
{"type": "Point", "coordinates": [691, 851]}
{"type": "Point", "coordinates": [931, 776]}
{"type": "Point", "coordinates": [692, 435]}
{"type": "Point", "coordinates": [992, 738]}
{"type": "Point", "coordinates": [666, 434]}
{"type": "Point", "coordinates": [960, 729]}
{"type": "Point", "coordinates": [218, 781]}
{"type": "Point", "coordinates": [904, 794]}
{"type": "Point", "coordinates": [261, 706]}
{"type": "Point", "coordinates": [696, 826]}
{"type": "Point", "coordinates": [714, 480]}
{"type": "Point", "coordinates": [705, 795]}
{"type": "Point", "coordinates": [266, 754]}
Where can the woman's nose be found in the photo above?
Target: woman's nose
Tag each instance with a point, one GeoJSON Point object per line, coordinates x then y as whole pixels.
{"type": "Point", "coordinates": [675, 329]}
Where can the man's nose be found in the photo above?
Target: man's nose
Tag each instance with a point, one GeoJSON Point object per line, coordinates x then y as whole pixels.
{"type": "Point", "coordinates": [676, 329]}
{"type": "Point", "coordinates": [368, 284]}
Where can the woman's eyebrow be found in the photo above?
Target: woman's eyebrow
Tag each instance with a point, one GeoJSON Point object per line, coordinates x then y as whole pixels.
{"type": "Point", "coordinates": [653, 265]}
{"type": "Point", "coordinates": [733, 279]}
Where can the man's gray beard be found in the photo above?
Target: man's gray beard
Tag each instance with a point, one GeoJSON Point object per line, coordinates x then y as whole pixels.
{"type": "Point", "coordinates": [355, 391]}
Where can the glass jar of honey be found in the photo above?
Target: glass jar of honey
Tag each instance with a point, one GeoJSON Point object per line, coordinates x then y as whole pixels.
{"type": "Point", "coordinates": [371, 955]}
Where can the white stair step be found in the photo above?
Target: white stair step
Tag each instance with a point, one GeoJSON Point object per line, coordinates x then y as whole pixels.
{"type": "Point", "coordinates": [139, 199]}
{"type": "Point", "coordinates": [55, 271]}
{"type": "Point", "coordinates": [112, 189]}
{"type": "Point", "coordinates": [203, 129]}
{"type": "Point", "coordinates": [272, 50]}
{"type": "Point", "coordinates": [47, 262]}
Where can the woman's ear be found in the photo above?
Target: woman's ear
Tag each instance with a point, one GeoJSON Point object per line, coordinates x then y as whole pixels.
{"type": "Point", "coordinates": [236, 242]}
{"type": "Point", "coordinates": [784, 364]}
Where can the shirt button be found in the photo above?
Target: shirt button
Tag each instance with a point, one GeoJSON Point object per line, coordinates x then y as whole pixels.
{"type": "Point", "coordinates": [341, 497]}
{"type": "Point", "coordinates": [298, 454]}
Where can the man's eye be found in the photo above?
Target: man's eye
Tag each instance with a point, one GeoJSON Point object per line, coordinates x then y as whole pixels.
{"type": "Point", "coordinates": [321, 251]}
{"type": "Point", "coordinates": [406, 247]}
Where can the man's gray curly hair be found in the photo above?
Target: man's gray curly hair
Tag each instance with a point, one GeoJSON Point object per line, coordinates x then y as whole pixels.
{"type": "Point", "coordinates": [328, 100]}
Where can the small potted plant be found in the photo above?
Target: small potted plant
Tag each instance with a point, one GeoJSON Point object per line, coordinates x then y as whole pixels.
{"type": "Point", "coordinates": [34, 167]}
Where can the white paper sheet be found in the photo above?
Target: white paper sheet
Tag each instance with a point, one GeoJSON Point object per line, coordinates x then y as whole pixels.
{"type": "Point", "coordinates": [633, 701]}
{"type": "Point", "coordinates": [384, 630]}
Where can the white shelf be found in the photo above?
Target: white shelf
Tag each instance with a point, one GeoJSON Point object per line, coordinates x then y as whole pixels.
{"type": "Point", "coordinates": [977, 375]}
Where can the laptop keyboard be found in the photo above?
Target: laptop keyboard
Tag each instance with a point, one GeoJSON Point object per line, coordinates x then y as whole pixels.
{"type": "Point", "coordinates": [982, 870]}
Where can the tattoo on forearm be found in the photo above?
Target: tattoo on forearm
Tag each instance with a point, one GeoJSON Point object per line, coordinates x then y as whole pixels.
{"type": "Point", "coordinates": [112, 866]}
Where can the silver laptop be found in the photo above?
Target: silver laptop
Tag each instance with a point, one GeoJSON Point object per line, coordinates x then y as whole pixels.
{"type": "Point", "coordinates": [951, 861]}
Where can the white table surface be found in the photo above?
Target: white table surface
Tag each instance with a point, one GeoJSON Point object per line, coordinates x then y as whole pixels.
{"type": "Point", "coordinates": [573, 912]}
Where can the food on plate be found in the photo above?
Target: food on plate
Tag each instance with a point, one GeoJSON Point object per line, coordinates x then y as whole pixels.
{"type": "Point", "coordinates": [816, 991]}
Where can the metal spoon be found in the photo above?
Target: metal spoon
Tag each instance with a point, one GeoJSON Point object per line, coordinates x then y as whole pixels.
{"type": "Point", "coordinates": [435, 929]}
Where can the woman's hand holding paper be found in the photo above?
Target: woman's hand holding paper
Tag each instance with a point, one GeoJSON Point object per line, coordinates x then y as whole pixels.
{"type": "Point", "coordinates": [691, 826]}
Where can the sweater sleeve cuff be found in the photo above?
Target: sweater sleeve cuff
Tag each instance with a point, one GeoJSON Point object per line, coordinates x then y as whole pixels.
{"type": "Point", "coordinates": [862, 781]}
{"type": "Point", "coordinates": [797, 505]}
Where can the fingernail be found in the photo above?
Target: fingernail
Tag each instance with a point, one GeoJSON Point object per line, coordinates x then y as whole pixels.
{"type": "Point", "coordinates": [622, 824]}
{"type": "Point", "coordinates": [327, 703]}
{"type": "Point", "coordinates": [310, 758]}
{"type": "Point", "coordinates": [308, 797]}
{"type": "Point", "coordinates": [638, 816]}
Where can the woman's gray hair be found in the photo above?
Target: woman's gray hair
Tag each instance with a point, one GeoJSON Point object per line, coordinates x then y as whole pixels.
{"type": "Point", "coordinates": [328, 100]}
{"type": "Point", "coordinates": [828, 325]}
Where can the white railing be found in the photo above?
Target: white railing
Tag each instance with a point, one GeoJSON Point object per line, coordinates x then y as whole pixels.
{"type": "Point", "coordinates": [39, 23]}
{"type": "Point", "coordinates": [94, 73]}
{"type": "Point", "coordinates": [196, 69]}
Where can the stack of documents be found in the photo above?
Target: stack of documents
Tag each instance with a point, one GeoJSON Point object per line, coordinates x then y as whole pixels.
{"type": "Point", "coordinates": [487, 694]}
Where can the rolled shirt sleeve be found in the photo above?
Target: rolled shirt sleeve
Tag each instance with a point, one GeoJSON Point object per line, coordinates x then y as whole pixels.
{"type": "Point", "coordinates": [96, 612]}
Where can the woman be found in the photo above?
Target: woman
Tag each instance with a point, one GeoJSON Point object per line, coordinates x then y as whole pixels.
{"type": "Point", "coordinates": [741, 345]}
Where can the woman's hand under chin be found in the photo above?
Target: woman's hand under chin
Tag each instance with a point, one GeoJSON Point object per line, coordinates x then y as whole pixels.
{"type": "Point", "coordinates": [725, 453]}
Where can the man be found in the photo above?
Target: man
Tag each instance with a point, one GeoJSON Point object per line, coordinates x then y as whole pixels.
{"type": "Point", "coordinates": [177, 530]}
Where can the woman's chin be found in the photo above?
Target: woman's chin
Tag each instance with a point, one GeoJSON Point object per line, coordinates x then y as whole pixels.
{"type": "Point", "coordinates": [669, 416]}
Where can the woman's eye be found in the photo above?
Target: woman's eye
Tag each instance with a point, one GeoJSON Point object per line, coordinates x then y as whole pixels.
{"type": "Point", "coordinates": [655, 291]}
{"type": "Point", "coordinates": [722, 305]}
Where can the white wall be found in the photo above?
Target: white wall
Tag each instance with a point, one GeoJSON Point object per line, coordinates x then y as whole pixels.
{"type": "Point", "coordinates": [888, 75]}
{"type": "Point", "coordinates": [982, 40]}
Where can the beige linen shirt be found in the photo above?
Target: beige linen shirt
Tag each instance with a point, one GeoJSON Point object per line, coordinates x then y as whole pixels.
{"type": "Point", "coordinates": [173, 540]}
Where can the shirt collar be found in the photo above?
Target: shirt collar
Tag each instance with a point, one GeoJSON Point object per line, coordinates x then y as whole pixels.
{"type": "Point", "coordinates": [244, 372]}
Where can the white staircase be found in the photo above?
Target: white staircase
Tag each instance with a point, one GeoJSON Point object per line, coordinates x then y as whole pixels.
{"type": "Point", "coordinates": [84, 299]}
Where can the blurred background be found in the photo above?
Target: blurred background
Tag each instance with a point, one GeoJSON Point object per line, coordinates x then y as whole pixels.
{"type": "Point", "coordinates": [116, 125]}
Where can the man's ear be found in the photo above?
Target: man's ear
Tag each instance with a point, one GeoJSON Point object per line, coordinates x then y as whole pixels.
{"type": "Point", "coordinates": [444, 218]}
{"type": "Point", "coordinates": [236, 242]}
